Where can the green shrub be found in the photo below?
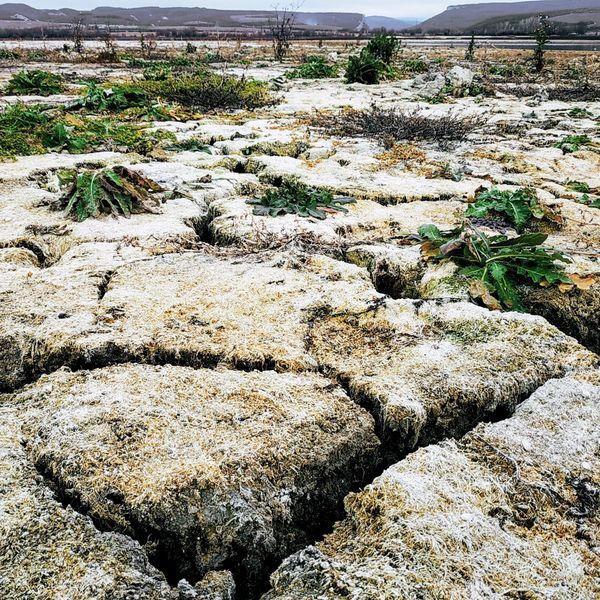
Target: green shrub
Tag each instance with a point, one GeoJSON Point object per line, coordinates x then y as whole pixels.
{"type": "Point", "coordinates": [383, 46]}
{"type": "Point", "coordinates": [496, 264]}
{"type": "Point", "coordinates": [41, 83]}
{"type": "Point", "coordinates": [208, 91]}
{"type": "Point", "coordinates": [519, 207]}
{"type": "Point", "coordinates": [365, 68]}
{"type": "Point", "coordinates": [111, 191]}
{"type": "Point", "coordinates": [293, 197]}
{"type": "Point", "coordinates": [313, 67]}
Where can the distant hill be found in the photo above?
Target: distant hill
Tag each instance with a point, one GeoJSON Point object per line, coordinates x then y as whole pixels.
{"type": "Point", "coordinates": [500, 17]}
{"type": "Point", "coordinates": [387, 23]}
{"type": "Point", "coordinates": [22, 15]}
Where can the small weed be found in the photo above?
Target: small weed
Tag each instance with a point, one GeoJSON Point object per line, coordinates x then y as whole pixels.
{"type": "Point", "coordinates": [294, 197]}
{"type": "Point", "coordinates": [313, 67]}
{"type": "Point", "coordinates": [591, 201]}
{"type": "Point", "coordinates": [572, 143]}
{"type": "Point", "coordinates": [496, 264]}
{"type": "Point", "coordinates": [579, 186]}
{"type": "Point", "coordinates": [110, 191]}
{"type": "Point", "coordinates": [41, 83]}
{"type": "Point", "coordinates": [519, 207]}
{"type": "Point", "coordinates": [414, 65]}
{"type": "Point", "coordinates": [580, 113]}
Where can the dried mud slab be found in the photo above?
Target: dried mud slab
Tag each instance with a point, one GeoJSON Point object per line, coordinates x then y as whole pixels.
{"type": "Point", "coordinates": [27, 220]}
{"type": "Point", "coordinates": [510, 510]}
{"type": "Point", "coordinates": [217, 469]}
{"type": "Point", "coordinates": [55, 304]}
{"type": "Point", "coordinates": [353, 179]}
{"type": "Point", "coordinates": [95, 308]}
{"type": "Point", "coordinates": [400, 272]}
{"type": "Point", "coordinates": [230, 221]}
{"type": "Point", "coordinates": [429, 370]}
{"type": "Point", "coordinates": [49, 551]}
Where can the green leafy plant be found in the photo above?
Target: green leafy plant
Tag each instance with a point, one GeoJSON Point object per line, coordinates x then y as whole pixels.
{"type": "Point", "coordinates": [365, 68]}
{"type": "Point", "coordinates": [115, 98]}
{"type": "Point", "coordinates": [37, 82]}
{"type": "Point", "coordinates": [496, 265]}
{"type": "Point", "coordinates": [27, 130]}
{"type": "Point", "coordinates": [384, 47]}
{"type": "Point", "coordinates": [580, 113]}
{"type": "Point", "coordinates": [294, 197]}
{"type": "Point", "coordinates": [572, 143]}
{"type": "Point", "coordinates": [579, 186]}
{"type": "Point", "coordinates": [116, 190]}
{"type": "Point", "coordinates": [313, 67]}
{"type": "Point", "coordinates": [157, 72]}
{"type": "Point", "coordinates": [518, 206]}
{"type": "Point", "coordinates": [414, 65]}
{"type": "Point", "coordinates": [6, 54]}
{"type": "Point", "coordinates": [589, 201]}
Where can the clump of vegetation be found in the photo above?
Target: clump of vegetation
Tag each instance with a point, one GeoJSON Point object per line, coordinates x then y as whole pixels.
{"type": "Point", "coordinates": [114, 98]}
{"type": "Point", "coordinates": [507, 70]}
{"type": "Point", "coordinates": [496, 265]}
{"type": "Point", "coordinates": [157, 72]}
{"type": "Point", "coordinates": [588, 196]}
{"type": "Point", "coordinates": [519, 206]}
{"type": "Point", "coordinates": [572, 143]}
{"type": "Point", "coordinates": [542, 37]}
{"type": "Point", "coordinates": [294, 197]}
{"type": "Point", "coordinates": [6, 54]}
{"type": "Point", "coordinates": [579, 186]}
{"type": "Point", "coordinates": [27, 130]}
{"type": "Point", "coordinates": [470, 53]}
{"type": "Point", "coordinates": [414, 65]}
{"type": "Point", "coordinates": [116, 190]}
{"type": "Point", "coordinates": [41, 83]}
{"type": "Point", "coordinates": [364, 68]}
{"type": "Point", "coordinates": [580, 113]}
{"type": "Point", "coordinates": [389, 125]}
{"type": "Point", "coordinates": [208, 91]}
{"type": "Point", "coordinates": [384, 47]}
{"type": "Point", "coordinates": [314, 67]}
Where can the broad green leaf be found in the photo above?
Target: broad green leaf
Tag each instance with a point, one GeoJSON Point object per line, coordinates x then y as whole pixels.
{"type": "Point", "coordinates": [504, 288]}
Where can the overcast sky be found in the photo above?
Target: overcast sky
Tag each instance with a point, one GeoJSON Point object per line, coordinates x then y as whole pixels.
{"type": "Point", "coordinates": [391, 8]}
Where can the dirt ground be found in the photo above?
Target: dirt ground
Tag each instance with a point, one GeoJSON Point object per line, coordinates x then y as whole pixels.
{"type": "Point", "coordinates": [192, 397]}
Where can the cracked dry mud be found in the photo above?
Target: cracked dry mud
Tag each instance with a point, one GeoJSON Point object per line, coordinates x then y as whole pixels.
{"type": "Point", "coordinates": [210, 404]}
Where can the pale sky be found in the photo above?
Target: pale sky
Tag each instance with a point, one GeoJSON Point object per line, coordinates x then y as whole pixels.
{"type": "Point", "coordinates": [389, 8]}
